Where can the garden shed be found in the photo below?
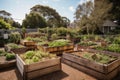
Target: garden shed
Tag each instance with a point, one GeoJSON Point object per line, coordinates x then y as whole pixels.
{"type": "Point", "coordinates": [108, 25]}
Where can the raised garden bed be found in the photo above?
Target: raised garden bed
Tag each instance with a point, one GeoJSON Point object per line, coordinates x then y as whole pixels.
{"type": "Point", "coordinates": [99, 69]}
{"type": "Point", "coordinates": [27, 43]}
{"type": "Point", "coordinates": [57, 46]}
{"type": "Point", "coordinates": [107, 52]}
{"type": "Point", "coordinates": [6, 63]}
{"type": "Point", "coordinates": [87, 44]}
{"type": "Point", "coordinates": [30, 70]}
{"type": "Point", "coordinates": [56, 49]}
{"type": "Point", "coordinates": [7, 60]}
{"type": "Point", "coordinates": [17, 49]}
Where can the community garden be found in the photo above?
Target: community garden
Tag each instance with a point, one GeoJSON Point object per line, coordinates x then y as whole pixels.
{"type": "Point", "coordinates": [43, 52]}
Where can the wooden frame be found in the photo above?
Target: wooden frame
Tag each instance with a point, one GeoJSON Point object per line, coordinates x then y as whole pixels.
{"type": "Point", "coordinates": [100, 71]}
{"type": "Point", "coordinates": [56, 50]}
{"type": "Point", "coordinates": [6, 64]}
{"type": "Point", "coordinates": [106, 52]}
{"type": "Point", "coordinates": [28, 43]}
{"type": "Point", "coordinates": [16, 50]}
{"type": "Point", "coordinates": [39, 68]}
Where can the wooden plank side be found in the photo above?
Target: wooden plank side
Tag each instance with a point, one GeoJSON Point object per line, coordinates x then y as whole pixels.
{"type": "Point", "coordinates": [113, 65]}
{"type": "Point", "coordinates": [105, 52]}
{"type": "Point", "coordinates": [20, 64]}
{"type": "Point", "coordinates": [43, 64]}
{"type": "Point", "coordinates": [44, 71]}
{"type": "Point", "coordinates": [59, 48]}
{"type": "Point", "coordinates": [92, 72]}
{"type": "Point", "coordinates": [109, 53]}
{"type": "Point", "coordinates": [85, 62]}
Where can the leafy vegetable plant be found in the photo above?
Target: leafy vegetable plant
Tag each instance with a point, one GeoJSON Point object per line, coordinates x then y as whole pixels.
{"type": "Point", "coordinates": [60, 42]}
{"type": "Point", "coordinates": [35, 56]}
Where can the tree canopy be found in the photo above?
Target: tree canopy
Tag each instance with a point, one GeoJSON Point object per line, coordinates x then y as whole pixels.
{"type": "Point", "coordinates": [51, 15]}
{"type": "Point", "coordinates": [65, 22]}
{"type": "Point", "coordinates": [90, 16]}
{"type": "Point", "coordinates": [4, 25]}
{"type": "Point", "coordinates": [115, 11]}
{"type": "Point", "coordinates": [34, 20]}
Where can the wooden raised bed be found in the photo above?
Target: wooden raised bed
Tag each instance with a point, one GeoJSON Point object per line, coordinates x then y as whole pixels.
{"type": "Point", "coordinates": [6, 63]}
{"type": "Point", "coordinates": [100, 71]}
{"type": "Point", "coordinates": [28, 43]}
{"type": "Point", "coordinates": [16, 50]}
{"type": "Point", "coordinates": [39, 68]}
{"type": "Point", "coordinates": [106, 52]}
{"type": "Point", "coordinates": [58, 49]}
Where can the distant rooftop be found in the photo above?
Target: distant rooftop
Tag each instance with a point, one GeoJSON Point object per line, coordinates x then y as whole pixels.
{"type": "Point", "coordinates": [109, 23]}
{"type": "Point", "coordinates": [4, 12]}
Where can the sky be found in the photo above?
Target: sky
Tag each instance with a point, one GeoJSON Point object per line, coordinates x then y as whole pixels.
{"type": "Point", "coordinates": [18, 8]}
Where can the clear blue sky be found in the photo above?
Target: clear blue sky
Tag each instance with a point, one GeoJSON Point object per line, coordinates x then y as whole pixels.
{"type": "Point", "coordinates": [18, 8]}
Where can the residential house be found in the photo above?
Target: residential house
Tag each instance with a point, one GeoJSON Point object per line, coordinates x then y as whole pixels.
{"type": "Point", "coordinates": [108, 26]}
{"type": "Point", "coordinates": [5, 14]}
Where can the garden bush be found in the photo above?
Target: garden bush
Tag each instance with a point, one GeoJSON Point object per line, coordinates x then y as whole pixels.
{"type": "Point", "coordinates": [62, 31]}
{"type": "Point", "coordinates": [36, 56]}
{"type": "Point", "coordinates": [14, 37]}
{"type": "Point", "coordinates": [60, 42]}
{"type": "Point", "coordinates": [116, 40]}
{"type": "Point", "coordinates": [114, 48]}
{"type": "Point", "coordinates": [14, 46]}
{"type": "Point", "coordinates": [54, 36]}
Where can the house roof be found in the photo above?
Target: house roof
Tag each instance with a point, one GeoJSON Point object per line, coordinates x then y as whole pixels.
{"type": "Point", "coordinates": [3, 11]}
{"type": "Point", "coordinates": [109, 23]}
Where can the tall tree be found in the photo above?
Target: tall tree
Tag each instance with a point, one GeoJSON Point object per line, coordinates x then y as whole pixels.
{"type": "Point", "coordinates": [4, 25]}
{"type": "Point", "coordinates": [115, 11]}
{"type": "Point", "coordinates": [91, 17]}
{"type": "Point", "coordinates": [65, 22]}
{"type": "Point", "coordinates": [82, 15]}
{"type": "Point", "coordinates": [49, 14]}
{"type": "Point", "coordinates": [34, 20]}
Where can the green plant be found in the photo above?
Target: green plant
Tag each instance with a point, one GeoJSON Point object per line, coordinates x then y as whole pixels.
{"type": "Point", "coordinates": [35, 56]}
{"type": "Point", "coordinates": [54, 36]}
{"type": "Point", "coordinates": [29, 38]}
{"type": "Point", "coordinates": [60, 42]}
{"type": "Point", "coordinates": [14, 46]}
{"type": "Point", "coordinates": [88, 43]}
{"type": "Point", "coordinates": [29, 54]}
{"type": "Point", "coordinates": [10, 56]}
{"type": "Point", "coordinates": [116, 40]}
{"type": "Point", "coordinates": [61, 31]}
{"type": "Point", "coordinates": [114, 48]}
{"type": "Point", "coordinates": [4, 25]}
{"type": "Point", "coordinates": [36, 39]}
{"type": "Point", "coordinates": [43, 38]}
{"type": "Point", "coordinates": [98, 57]}
{"type": "Point", "coordinates": [2, 53]}
{"type": "Point", "coordinates": [14, 37]}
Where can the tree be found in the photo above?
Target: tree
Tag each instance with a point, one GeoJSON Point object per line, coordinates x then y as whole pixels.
{"type": "Point", "coordinates": [11, 22]}
{"type": "Point", "coordinates": [49, 14]}
{"type": "Point", "coordinates": [91, 17]}
{"type": "Point", "coordinates": [65, 22]}
{"type": "Point", "coordinates": [115, 11]}
{"type": "Point", "coordinates": [82, 15]}
{"type": "Point", "coordinates": [4, 25]}
{"type": "Point", "coordinates": [34, 20]}
{"type": "Point", "coordinates": [100, 13]}
{"type": "Point", "coordinates": [16, 24]}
